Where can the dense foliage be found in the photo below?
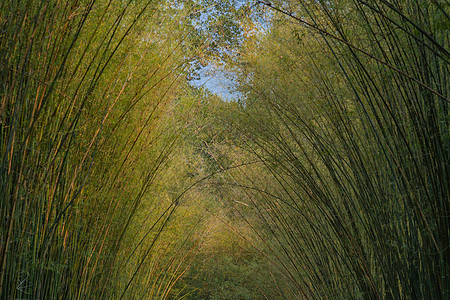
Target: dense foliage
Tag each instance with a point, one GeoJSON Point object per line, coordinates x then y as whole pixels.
{"type": "Point", "coordinates": [327, 176]}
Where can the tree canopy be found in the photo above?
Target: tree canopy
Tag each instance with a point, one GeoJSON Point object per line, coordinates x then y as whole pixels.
{"type": "Point", "coordinates": [325, 176]}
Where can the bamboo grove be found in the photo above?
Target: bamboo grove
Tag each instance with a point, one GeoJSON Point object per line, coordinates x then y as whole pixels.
{"type": "Point", "coordinates": [324, 176]}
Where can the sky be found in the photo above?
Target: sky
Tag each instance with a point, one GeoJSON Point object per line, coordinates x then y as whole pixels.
{"type": "Point", "coordinates": [216, 82]}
